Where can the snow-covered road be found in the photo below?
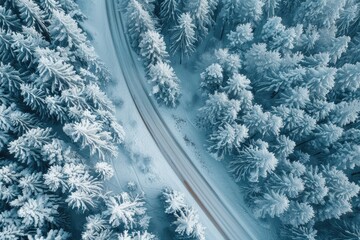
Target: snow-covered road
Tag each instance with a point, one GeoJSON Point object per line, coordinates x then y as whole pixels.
{"type": "Point", "coordinates": [229, 223]}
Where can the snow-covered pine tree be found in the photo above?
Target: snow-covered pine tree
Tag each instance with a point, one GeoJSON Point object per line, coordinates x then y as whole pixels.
{"type": "Point", "coordinates": [31, 14]}
{"type": "Point", "coordinates": [242, 34]}
{"type": "Point", "coordinates": [169, 13]}
{"type": "Point", "coordinates": [271, 203]}
{"type": "Point", "coordinates": [264, 123]}
{"type": "Point", "coordinates": [65, 31]}
{"type": "Point", "coordinates": [186, 221]}
{"type": "Point", "coordinates": [8, 20]}
{"type": "Point", "coordinates": [153, 48]}
{"type": "Point", "coordinates": [297, 214]}
{"type": "Point", "coordinates": [139, 21]}
{"type": "Point", "coordinates": [183, 37]}
{"type": "Point", "coordinates": [306, 231]}
{"type": "Point", "coordinates": [124, 210]}
{"type": "Point", "coordinates": [253, 162]}
{"type": "Point", "coordinates": [201, 13]}
{"type": "Point", "coordinates": [227, 138]}
{"type": "Point", "coordinates": [212, 78]}
{"type": "Point", "coordinates": [91, 135]}
{"type": "Point", "coordinates": [165, 83]}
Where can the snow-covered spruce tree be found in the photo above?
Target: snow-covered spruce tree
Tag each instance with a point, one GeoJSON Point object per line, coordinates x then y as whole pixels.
{"type": "Point", "coordinates": [169, 13]}
{"type": "Point", "coordinates": [139, 21]}
{"type": "Point", "coordinates": [242, 34]}
{"type": "Point", "coordinates": [253, 162]}
{"type": "Point", "coordinates": [298, 214]}
{"type": "Point", "coordinates": [183, 37]}
{"type": "Point", "coordinates": [136, 235]}
{"type": "Point", "coordinates": [212, 78]}
{"type": "Point", "coordinates": [186, 219]}
{"type": "Point", "coordinates": [219, 109]}
{"type": "Point", "coordinates": [202, 13]}
{"type": "Point", "coordinates": [153, 48]}
{"type": "Point", "coordinates": [227, 138]}
{"type": "Point", "coordinates": [272, 204]}
{"type": "Point", "coordinates": [165, 83]}
{"type": "Point", "coordinates": [150, 45]}
{"type": "Point", "coordinates": [124, 210]}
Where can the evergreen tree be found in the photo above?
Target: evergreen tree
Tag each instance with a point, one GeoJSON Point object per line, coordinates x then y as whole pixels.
{"type": "Point", "coordinates": [346, 156]}
{"type": "Point", "coordinates": [272, 204]}
{"type": "Point", "coordinates": [38, 211]}
{"type": "Point", "coordinates": [230, 62]}
{"type": "Point", "coordinates": [105, 170]}
{"type": "Point", "coordinates": [8, 20]}
{"type": "Point", "coordinates": [52, 234]}
{"type": "Point", "coordinates": [186, 222]}
{"type": "Point", "coordinates": [139, 21]}
{"type": "Point", "coordinates": [136, 235]}
{"type": "Point", "coordinates": [345, 113]}
{"type": "Point", "coordinates": [174, 201]}
{"type": "Point", "coordinates": [286, 184]}
{"type": "Point", "coordinates": [219, 109]}
{"type": "Point", "coordinates": [340, 188]}
{"type": "Point", "coordinates": [253, 162]}
{"type": "Point", "coordinates": [325, 135]}
{"type": "Point", "coordinates": [264, 123]}
{"type": "Point", "coordinates": [320, 109]}
{"type": "Point", "coordinates": [226, 138]}
{"type": "Point", "coordinates": [153, 48]}
{"type": "Point", "coordinates": [259, 61]}
{"type": "Point", "coordinates": [320, 13]}
{"type": "Point", "coordinates": [348, 77]}
{"type": "Point", "coordinates": [10, 78]}
{"type": "Point", "coordinates": [299, 233]}
{"type": "Point", "coordinates": [296, 123]}
{"type": "Point", "coordinates": [275, 34]}
{"type": "Point", "coordinates": [23, 47]}
{"type": "Point", "coordinates": [320, 81]}
{"type": "Point", "coordinates": [270, 6]}
{"type": "Point", "coordinates": [242, 34]}
{"type": "Point", "coordinates": [6, 51]}
{"type": "Point", "coordinates": [238, 87]}
{"type": "Point", "coordinates": [30, 13]}
{"type": "Point", "coordinates": [124, 210]}
{"type": "Point", "coordinates": [315, 186]}
{"type": "Point", "coordinates": [212, 78]}
{"type": "Point", "coordinates": [27, 148]}
{"type": "Point", "coordinates": [297, 214]}
{"type": "Point", "coordinates": [91, 135]}
{"type": "Point", "coordinates": [169, 12]}
{"type": "Point", "coordinates": [296, 97]}
{"type": "Point", "coordinates": [348, 16]}
{"type": "Point", "coordinates": [235, 12]}
{"type": "Point", "coordinates": [183, 37]}
{"type": "Point", "coordinates": [80, 200]}
{"type": "Point", "coordinates": [202, 15]}
{"type": "Point", "coordinates": [56, 74]}
{"type": "Point", "coordinates": [64, 30]}
{"type": "Point", "coordinates": [283, 147]}
{"type": "Point", "coordinates": [165, 83]}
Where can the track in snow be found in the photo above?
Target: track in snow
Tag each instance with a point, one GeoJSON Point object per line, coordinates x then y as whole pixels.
{"type": "Point", "coordinates": [228, 223]}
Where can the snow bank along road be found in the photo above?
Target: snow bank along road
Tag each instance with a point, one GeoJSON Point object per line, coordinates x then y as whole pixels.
{"type": "Point", "coordinates": [228, 223]}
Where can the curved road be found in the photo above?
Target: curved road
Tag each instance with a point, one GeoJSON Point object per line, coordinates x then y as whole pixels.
{"type": "Point", "coordinates": [228, 223]}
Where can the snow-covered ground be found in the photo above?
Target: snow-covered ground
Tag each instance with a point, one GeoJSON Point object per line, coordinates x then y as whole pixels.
{"type": "Point", "coordinates": [139, 160]}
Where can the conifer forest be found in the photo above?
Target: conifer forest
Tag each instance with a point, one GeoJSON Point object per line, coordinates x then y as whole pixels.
{"type": "Point", "coordinates": [179, 119]}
